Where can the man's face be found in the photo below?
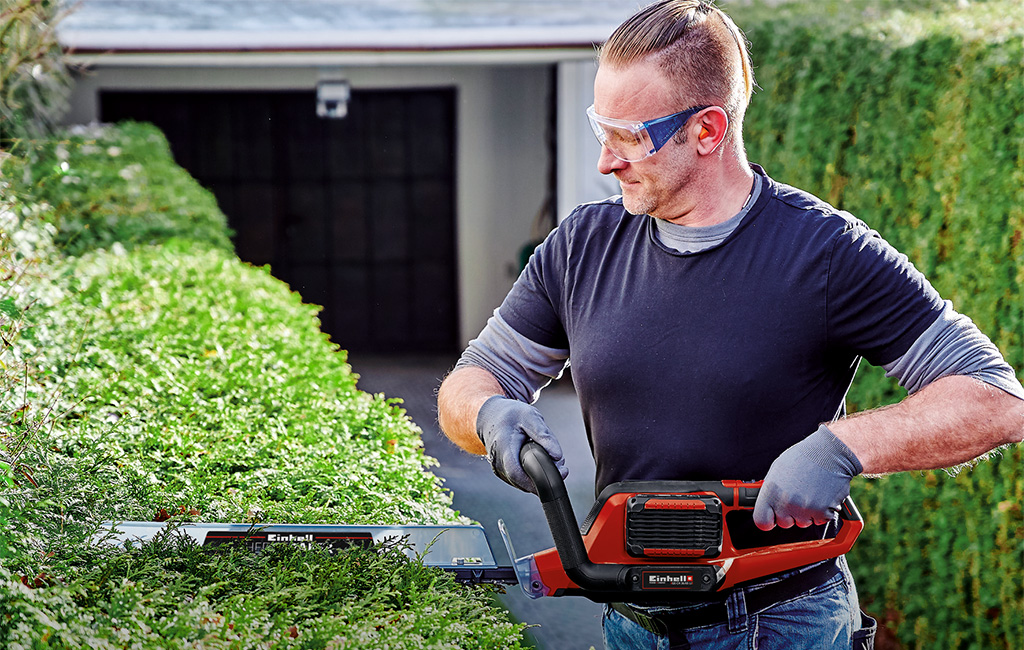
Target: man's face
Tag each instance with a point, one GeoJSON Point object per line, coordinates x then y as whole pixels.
{"type": "Point", "coordinates": [653, 185]}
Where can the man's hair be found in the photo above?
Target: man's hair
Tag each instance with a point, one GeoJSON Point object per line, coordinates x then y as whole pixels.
{"type": "Point", "coordinates": [698, 47]}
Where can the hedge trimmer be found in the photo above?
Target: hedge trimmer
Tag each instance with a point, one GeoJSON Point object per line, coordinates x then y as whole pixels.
{"type": "Point", "coordinates": [648, 540]}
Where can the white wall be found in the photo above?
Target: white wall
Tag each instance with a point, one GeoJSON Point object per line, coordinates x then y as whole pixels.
{"type": "Point", "coordinates": [578, 149]}
{"type": "Point", "coordinates": [502, 171]}
{"type": "Point", "coordinates": [501, 166]}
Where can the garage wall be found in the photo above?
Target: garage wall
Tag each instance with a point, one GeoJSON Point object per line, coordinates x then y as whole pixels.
{"type": "Point", "coordinates": [501, 170]}
{"type": "Point", "coordinates": [578, 149]}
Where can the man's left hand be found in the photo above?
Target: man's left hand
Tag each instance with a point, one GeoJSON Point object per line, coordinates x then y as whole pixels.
{"type": "Point", "coordinates": [808, 483]}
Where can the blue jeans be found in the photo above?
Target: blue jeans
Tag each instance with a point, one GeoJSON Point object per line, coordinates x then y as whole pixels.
{"type": "Point", "coordinates": [826, 617]}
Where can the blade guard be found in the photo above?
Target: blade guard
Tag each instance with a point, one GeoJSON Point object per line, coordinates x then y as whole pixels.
{"type": "Point", "coordinates": [596, 564]}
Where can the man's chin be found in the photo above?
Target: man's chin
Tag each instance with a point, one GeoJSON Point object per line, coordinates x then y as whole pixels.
{"type": "Point", "coordinates": [634, 199]}
{"type": "Point", "coordinates": [635, 206]}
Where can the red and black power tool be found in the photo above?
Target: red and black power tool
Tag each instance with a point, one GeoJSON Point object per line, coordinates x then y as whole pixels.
{"type": "Point", "coordinates": [655, 540]}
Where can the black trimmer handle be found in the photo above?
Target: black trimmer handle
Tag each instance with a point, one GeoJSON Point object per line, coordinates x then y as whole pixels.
{"type": "Point", "coordinates": [554, 498]}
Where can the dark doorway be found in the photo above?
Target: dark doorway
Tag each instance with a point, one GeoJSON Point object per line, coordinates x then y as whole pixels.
{"type": "Point", "coordinates": [355, 214]}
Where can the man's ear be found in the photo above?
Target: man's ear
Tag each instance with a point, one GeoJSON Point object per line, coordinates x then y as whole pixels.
{"type": "Point", "coordinates": [712, 126]}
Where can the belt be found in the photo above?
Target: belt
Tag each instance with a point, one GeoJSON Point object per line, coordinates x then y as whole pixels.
{"type": "Point", "coordinates": [716, 612]}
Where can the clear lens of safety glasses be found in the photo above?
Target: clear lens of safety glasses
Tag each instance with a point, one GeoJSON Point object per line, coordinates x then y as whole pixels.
{"type": "Point", "coordinates": [634, 141]}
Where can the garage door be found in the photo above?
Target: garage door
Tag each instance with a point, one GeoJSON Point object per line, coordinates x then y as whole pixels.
{"type": "Point", "coordinates": [356, 214]}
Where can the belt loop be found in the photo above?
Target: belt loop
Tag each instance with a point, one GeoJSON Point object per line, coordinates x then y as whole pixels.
{"type": "Point", "coordinates": [677, 640]}
{"type": "Point", "coordinates": [736, 606]}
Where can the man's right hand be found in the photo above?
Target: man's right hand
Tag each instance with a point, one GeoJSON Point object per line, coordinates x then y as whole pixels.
{"type": "Point", "coordinates": [504, 426]}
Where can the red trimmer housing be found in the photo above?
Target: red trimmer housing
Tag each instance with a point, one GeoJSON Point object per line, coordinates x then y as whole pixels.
{"type": "Point", "coordinates": [654, 540]}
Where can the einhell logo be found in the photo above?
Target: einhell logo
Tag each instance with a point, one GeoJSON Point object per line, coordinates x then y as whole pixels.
{"type": "Point", "coordinates": [667, 580]}
{"type": "Point", "coordinates": [257, 540]}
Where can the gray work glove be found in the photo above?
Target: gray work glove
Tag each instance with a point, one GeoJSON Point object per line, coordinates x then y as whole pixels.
{"type": "Point", "coordinates": [504, 426]}
{"type": "Point", "coordinates": [808, 483]}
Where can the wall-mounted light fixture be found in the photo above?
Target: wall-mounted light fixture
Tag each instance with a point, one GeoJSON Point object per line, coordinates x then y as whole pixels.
{"type": "Point", "coordinates": [332, 99]}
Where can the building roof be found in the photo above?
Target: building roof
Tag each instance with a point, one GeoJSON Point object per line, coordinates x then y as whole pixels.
{"type": "Point", "coordinates": [336, 25]}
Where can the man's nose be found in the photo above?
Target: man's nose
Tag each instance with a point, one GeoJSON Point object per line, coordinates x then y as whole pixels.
{"type": "Point", "coordinates": [607, 163]}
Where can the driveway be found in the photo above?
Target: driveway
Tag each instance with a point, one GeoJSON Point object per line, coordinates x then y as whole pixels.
{"type": "Point", "coordinates": [568, 623]}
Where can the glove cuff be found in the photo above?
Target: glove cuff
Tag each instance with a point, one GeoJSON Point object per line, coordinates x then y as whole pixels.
{"type": "Point", "coordinates": [831, 453]}
{"type": "Point", "coordinates": [483, 417]}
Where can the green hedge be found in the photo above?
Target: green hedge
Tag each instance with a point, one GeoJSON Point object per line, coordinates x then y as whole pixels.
{"type": "Point", "coordinates": [914, 121]}
{"type": "Point", "coordinates": [215, 380]}
{"type": "Point", "coordinates": [34, 83]}
{"type": "Point", "coordinates": [122, 187]}
{"type": "Point", "coordinates": [153, 375]}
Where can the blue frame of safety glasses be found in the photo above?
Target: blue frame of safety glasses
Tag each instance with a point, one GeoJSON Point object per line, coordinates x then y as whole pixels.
{"type": "Point", "coordinates": [662, 128]}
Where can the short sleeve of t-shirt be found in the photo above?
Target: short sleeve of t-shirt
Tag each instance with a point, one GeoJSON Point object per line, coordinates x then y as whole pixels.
{"type": "Point", "coordinates": [535, 301]}
{"type": "Point", "coordinates": [878, 303]}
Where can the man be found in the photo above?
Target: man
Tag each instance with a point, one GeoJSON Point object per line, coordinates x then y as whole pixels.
{"type": "Point", "coordinates": [715, 319]}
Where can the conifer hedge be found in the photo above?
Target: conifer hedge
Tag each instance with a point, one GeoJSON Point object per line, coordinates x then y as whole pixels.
{"type": "Point", "coordinates": [914, 122]}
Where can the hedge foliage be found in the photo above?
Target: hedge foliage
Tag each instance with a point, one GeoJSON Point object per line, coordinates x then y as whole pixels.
{"type": "Point", "coordinates": [150, 374]}
{"type": "Point", "coordinates": [34, 84]}
{"type": "Point", "coordinates": [124, 190]}
{"type": "Point", "coordinates": [914, 121]}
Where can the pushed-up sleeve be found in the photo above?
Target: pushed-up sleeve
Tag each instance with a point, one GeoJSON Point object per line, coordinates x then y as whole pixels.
{"type": "Point", "coordinates": [953, 345]}
{"type": "Point", "coordinates": [521, 366]}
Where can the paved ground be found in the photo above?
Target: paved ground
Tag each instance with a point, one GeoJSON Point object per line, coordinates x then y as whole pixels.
{"type": "Point", "coordinates": [562, 623]}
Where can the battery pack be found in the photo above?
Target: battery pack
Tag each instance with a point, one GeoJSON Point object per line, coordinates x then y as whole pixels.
{"type": "Point", "coordinates": [673, 525]}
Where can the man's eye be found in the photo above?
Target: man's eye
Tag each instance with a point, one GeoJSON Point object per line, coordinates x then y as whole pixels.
{"type": "Point", "coordinates": [620, 137]}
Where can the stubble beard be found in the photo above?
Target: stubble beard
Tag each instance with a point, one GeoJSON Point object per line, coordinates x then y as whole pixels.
{"type": "Point", "coordinates": [639, 203]}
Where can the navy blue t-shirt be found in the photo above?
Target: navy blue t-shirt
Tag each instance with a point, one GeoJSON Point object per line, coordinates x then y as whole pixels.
{"type": "Point", "coordinates": [708, 365]}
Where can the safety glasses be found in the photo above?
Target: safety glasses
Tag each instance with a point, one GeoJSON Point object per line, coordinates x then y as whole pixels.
{"type": "Point", "coordinates": [633, 141]}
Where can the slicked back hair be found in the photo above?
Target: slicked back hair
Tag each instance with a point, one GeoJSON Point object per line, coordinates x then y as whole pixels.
{"type": "Point", "coordinates": [697, 46]}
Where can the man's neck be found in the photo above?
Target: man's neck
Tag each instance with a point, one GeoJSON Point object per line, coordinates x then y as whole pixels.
{"type": "Point", "coordinates": [690, 239]}
{"type": "Point", "coordinates": [720, 197]}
